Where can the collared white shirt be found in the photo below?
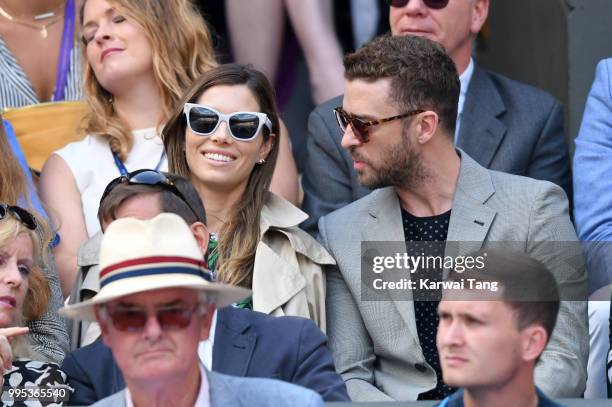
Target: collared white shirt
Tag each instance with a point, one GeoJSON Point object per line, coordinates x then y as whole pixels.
{"type": "Point", "coordinates": [205, 348]}
{"type": "Point", "coordinates": [203, 399]}
{"type": "Point", "coordinates": [464, 79]}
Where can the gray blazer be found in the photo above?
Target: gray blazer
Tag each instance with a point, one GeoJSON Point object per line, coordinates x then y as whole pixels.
{"type": "Point", "coordinates": [375, 343]}
{"type": "Point", "coordinates": [230, 391]}
{"type": "Point", "coordinates": [505, 126]}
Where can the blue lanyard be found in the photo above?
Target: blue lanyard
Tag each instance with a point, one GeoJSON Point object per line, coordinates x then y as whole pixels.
{"type": "Point", "coordinates": [124, 172]}
{"type": "Point", "coordinates": [63, 65]}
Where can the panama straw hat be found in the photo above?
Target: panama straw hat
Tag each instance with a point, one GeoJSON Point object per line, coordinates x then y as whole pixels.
{"type": "Point", "coordinates": [144, 255]}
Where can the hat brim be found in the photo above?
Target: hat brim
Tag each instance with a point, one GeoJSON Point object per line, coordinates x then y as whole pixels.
{"type": "Point", "coordinates": [219, 294]}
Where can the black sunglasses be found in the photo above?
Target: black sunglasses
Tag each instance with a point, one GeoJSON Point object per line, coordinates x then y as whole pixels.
{"type": "Point", "coordinates": [360, 126]}
{"type": "Point", "coordinates": [147, 177]}
{"type": "Point", "coordinates": [435, 4]}
{"type": "Point", "coordinates": [25, 217]}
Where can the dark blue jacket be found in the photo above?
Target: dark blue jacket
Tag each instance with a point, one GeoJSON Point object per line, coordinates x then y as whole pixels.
{"type": "Point", "coordinates": [247, 344]}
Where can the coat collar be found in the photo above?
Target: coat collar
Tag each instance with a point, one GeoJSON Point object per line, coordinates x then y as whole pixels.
{"type": "Point", "coordinates": [282, 216]}
{"type": "Point", "coordinates": [481, 130]}
{"type": "Point", "coordinates": [280, 213]}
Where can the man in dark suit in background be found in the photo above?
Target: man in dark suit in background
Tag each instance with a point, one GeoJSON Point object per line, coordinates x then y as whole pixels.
{"type": "Point", "coordinates": [504, 125]}
{"type": "Point", "coordinates": [242, 343]}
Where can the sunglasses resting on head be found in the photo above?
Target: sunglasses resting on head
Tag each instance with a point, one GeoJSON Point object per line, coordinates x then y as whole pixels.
{"type": "Point", "coordinates": [434, 4]}
{"type": "Point", "coordinates": [25, 217]}
{"type": "Point", "coordinates": [243, 126]}
{"type": "Point", "coordinates": [147, 177]}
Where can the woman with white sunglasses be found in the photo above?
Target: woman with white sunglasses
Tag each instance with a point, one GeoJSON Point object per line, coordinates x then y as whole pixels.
{"type": "Point", "coordinates": [225, 139]}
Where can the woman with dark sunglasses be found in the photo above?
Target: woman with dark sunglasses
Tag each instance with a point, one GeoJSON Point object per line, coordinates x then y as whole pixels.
{"type": "Point", "coordinates": [224, 137]}
{"type": "Point", "coordinates": [141, 56]}
{"type": "Point", "coordinates": [24, 297]}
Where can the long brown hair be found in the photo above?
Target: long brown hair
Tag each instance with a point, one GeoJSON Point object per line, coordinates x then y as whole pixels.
{"type": "Point", "coordinates": [13, 184]}
{"type": "Point", "coordinates": [182, 52]}
{"type": "Point", "coordinates": [240, 235]}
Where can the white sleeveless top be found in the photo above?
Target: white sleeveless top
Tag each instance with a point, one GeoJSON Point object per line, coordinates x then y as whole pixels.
{"type": "Point", "coordinates": [93, 167]}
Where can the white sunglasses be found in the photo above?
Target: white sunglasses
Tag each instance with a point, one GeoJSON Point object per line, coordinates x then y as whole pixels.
{"type": "Point", "coordinates": [243, 126]}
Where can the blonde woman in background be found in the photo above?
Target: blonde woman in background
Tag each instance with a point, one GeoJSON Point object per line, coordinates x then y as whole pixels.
{"type": "Point", "coordinates": [24, 297]}
{"type": "Point", "coordinates": [141, 55]}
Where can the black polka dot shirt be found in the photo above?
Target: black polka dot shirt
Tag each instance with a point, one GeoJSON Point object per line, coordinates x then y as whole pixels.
{"type": "Point", "coordinates": [428, 229]}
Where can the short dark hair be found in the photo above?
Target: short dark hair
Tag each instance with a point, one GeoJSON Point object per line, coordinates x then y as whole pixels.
{"type": "Point", "coordinates": [168, 200]}
{"type": "Point", "coordinates": [422, 75]}
{"type": "Point", "coordinates": [527, 286]}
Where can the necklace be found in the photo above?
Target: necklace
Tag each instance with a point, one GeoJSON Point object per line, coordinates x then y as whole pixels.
{"type": "Point", "coordinates": [41, 27]}
{"type": "Point", "coordinates": [216, 217]}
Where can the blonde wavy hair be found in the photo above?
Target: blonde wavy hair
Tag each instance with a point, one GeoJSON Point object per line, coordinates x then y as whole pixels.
{"type": "Point", "coordinates": [182, 51]}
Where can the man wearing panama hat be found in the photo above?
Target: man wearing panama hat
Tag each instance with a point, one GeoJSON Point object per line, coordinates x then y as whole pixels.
{"type": "Point", "coordinates": [154, 306]}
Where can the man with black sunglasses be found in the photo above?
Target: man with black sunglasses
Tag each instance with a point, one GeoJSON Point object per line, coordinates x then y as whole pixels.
{"type": "Point", "coordinates": [245, 343]}
{"type": "Point", "coordinates": [503, 124]}
{"type": "Point", "coordinates": [433, 204]}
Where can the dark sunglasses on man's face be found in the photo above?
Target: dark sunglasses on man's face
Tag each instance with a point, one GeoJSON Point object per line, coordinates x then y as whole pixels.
{"type": "Point", "coordinates": [360, 126]}
{"type": "Point", "coordinates": [171, 318]}
{"type": "Point", "coordinates": [435, 4]}
{"type": "Point", "coordinates": [147, 177]}
{"type": "Point", "coordinates": [25, 217]}
{"type": "Point", "coordinates": [243, 126]}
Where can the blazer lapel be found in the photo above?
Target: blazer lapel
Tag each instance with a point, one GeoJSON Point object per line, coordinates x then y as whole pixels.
{"type": "Point", "coordinates": [481, 131]}
{"type": "Point", "coordinates": [470, 218]}
{"type": "Point", "coordinates": [384, 217]}
{"type": "Point", "coordinates": [384, 224]}
{"type": "Point", "coordinates": [233, 345]}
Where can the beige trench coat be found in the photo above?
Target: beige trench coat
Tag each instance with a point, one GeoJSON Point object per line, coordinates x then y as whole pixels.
{"type": "Point", "coordinates": [288, 274]}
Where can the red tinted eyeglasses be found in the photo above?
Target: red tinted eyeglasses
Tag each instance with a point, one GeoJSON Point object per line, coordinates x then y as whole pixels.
{"type": "Point", "coordinates": [435, 4]}
{"type": "Point", "coordinates": [171, 318]}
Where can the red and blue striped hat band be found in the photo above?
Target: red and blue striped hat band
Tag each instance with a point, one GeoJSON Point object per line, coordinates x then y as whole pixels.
{"type": "Point", "coordinates": [154, 265]}
{"type": "Point", "coordinates": [145, 255]}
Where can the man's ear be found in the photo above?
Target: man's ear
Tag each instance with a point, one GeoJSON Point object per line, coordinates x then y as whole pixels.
{"type": "Point", "coordinates": [201, 234]}
{"type": "Point", "coordinates": [103, 327]}
{"type": "Point", "coordinates": [207, 322]}
{"type": "Point", "coordinates": [427, 125]}
{"type": "Point", "coordinates": [533, 342]}
{"type": "Point", "coordinates": [480, 12]}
